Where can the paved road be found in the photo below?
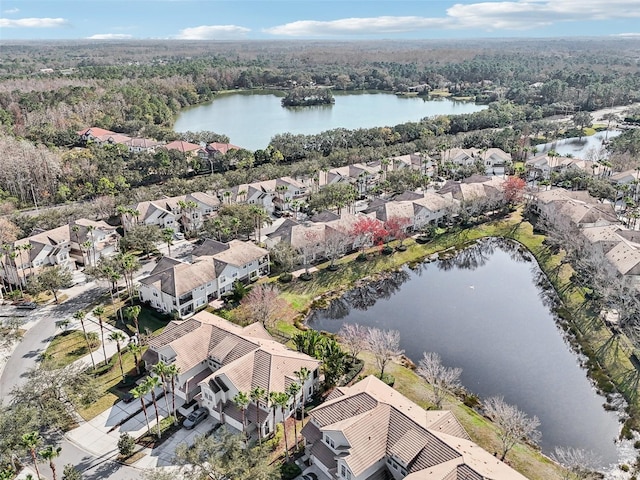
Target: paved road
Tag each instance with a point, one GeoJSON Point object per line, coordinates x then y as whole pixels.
{"type": "Point", "coordinates": [41, 323]}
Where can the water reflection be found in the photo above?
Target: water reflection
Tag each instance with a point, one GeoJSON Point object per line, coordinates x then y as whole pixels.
{"type": "Point", "coordinates": [488, 310]}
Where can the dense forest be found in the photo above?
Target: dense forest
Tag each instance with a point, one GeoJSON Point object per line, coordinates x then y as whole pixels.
{"type": "Point", "coordinates": [50, 91]}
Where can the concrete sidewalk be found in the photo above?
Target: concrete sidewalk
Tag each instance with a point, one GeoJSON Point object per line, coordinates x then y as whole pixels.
{"type": "Point", "coordinates": [91, 324]}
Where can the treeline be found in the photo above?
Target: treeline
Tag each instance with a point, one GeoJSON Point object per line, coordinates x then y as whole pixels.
{"type": "Point", "coordinates": [109, 86]}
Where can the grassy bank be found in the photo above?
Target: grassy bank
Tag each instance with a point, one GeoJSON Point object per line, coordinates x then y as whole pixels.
{"type": "Point", "coordinates": [609, 354]}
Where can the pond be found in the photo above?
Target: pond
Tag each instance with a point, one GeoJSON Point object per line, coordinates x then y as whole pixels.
{"type": "Point", "coordinates": [488, 311]}
{"type": "Point", "coordinates": [251, 119]}
{"type": "Point", "coordinates": [586, 148]}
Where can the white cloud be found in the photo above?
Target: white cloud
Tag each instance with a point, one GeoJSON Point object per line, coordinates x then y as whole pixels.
{"type": "Point", "coordinates": [33, 22]}
{"type": "Point", "coordinates": [11, 11]}
{"type": "Point", "coordinates": [212, 32]}
{"type": "Point", "coordinates": [110, 36]}
{"type": "Point", "coordinates": [484, 16]}
{"type": "Point", "coordinates": [630, 34]}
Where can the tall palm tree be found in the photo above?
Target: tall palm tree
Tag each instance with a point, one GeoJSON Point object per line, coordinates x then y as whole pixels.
{"type": "Point", "coordinates": [132, 313]}
{"type": "Point", "coordinates": [130, 264]}
{"type": "Point", "coordinates": [85, 246]}
{"type": "Point", "coordinates": [135, 350]}
{"type": "Point", "coordinates": [31, 441]}
{"type": "Point", "coordinates": [80, 315]}
{"type": "Point", "coordinates": [272, 402]}
{"type": "Point", "coordinates": [257, 394]}
{"type": "Point", "coordinates": [139, 392]}
{"type": "Point", "coordinates": [27, 247]}
{"type": "Point", "coordinates": [303, 375]}
{"type": "Point", "coordinates": [99, 312]}
{"type": "Point", "coordinates": [151, 383]}
{"type": "Point", "coordinates": [167, 236]}
{"type": "Point", "coordinates": [281, 399]}
{"type": "Point", "coordinates": [118, 337]}
{"type": "Point", "coordinates": [293, 389]}
{"type": "Point", "coordinates": [173, 371]}
{"type": "Point", "coordinates": [160, 369]}
{"type": "Point", "coordinates": [90, 229]}
{"type": "Point", "coordinates": [49, 453]}
{"type": "Point", "coordinates": [242, 402]}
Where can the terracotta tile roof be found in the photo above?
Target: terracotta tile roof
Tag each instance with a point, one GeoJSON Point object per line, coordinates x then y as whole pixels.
{"type": "Point", "coordinates": [182, 278]}
{"type": "Point", "coordinates": [95, 131]}
{"type": "Point", "coordinates": [182, 146]}
{"type": "Point", "coordinates": [222, 147]}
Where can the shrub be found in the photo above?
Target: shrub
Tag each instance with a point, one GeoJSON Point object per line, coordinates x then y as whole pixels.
{"type": "Point", "coordinates": [285, 278]}
{"type": "Point", "coordinates": [387, 250]}
{"type": "Point", "coordinates": [388, 379]}
{"type": "Point", "coordinates": [401, 248]}
{"type": "Point", "coordinates": [471, 400]}
{"type": "Point", "coordinates": [362, 257]}
{"type": "Point", "coordinates": [126, 444]}
{"type": "Point", "coordinates": [305, 277]}
{"type": "Point", "coordinates": [624, 467]}
{"type": "Point", "coordinates": [274, 441]}
{"type": "Point", "coordinates": [289, 471]}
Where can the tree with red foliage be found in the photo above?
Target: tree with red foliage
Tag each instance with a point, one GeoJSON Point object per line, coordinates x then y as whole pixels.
{"type": "Point", "coordinates": [369, 231]}
{"type": "Point", "coordinates": [513, 190]}
{"type": "Point", "coordinates": [397, 228]}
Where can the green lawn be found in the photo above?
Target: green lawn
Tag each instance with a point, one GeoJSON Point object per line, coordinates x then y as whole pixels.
{"type": "Point", "coordinates": [66, 348]}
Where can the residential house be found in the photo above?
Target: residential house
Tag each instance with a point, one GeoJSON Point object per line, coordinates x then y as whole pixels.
{"type": "Point", "coordinates": [188, 149]}
{"type": "Point", "coordinates": [91, 133]}
{"type": "Point", "coordinates": [475, 188]}
{"type": "Point", "coordinates": [371, 431]}
{"type": "Point", "coordinates": [112, 139]}
{"type": "Point", "coordinates": [417, 209]}
{"type": "Point", "coordinates": [625, 178]}
{"type": "Point", "coordinates": [542, 166]}
{"type": "Point", "coordinates": [362, 177]}
{"type": "Point", "coordinates": [236, 260]}
{"type": "Point", "coordinates": [218, 359]}
{"type": "Point", "coordinates": [29, 256]}
{"type": "Point", "coordinates": [91, 240]}
{"type": "Point", "coordinates": [186, 211]}
{"type": "Point", "coordinates": [495, 160]}
{"type": "Point", "coordinates": [463, 157]}
{"type": "Point", "coordinates": [277, 194]}
{"type": "Point", "coordinates": [139, 145]}
{"type": "Point", "coordinates": [414, 161]}
{"type": "Point", "coordinates": [82, 242]}
{"type": "Point", "coordinates": [581, 208]}
{"type": "Point", "coordinates": [216, 151]}
{"type": "Point", "coordinates": [182, 288]}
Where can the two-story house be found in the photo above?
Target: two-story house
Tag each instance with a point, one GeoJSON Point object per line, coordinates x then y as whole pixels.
{"type": "Point", "coordinates": [182, 288]}
{"type": "Point", "coordinates": [217, 359]}
{"type": "Point", "coordinates": [371, 431]}
{"type": "Point", "coordinates": [188, 149]}
{"type": "Point", "coordinates": [91, 240]}
{"type": "Point", "coordinates": [186, 211]}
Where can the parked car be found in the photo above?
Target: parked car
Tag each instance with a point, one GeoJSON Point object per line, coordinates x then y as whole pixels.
{"type": "Point", "coordinates": [27, 305]}
{"type": "Point", "coordinates": [195, 418]}
{"type": "Point", "coordinates": [178, 235]}
{"type": "Point", "coordinates": [128, 397]}
{"type": "Point", "coordinates": [310, 476]}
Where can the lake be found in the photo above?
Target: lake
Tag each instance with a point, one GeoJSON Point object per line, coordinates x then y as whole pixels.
{"type": "Point", "coordinates": [581, 147]}
{"type": "Point", "coordinates": [251, 119]}
{"type": "Point", "coordinates": [488, 312]}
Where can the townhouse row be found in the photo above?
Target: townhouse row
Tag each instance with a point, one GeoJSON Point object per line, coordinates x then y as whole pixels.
{"type": "Point", "coordinates": [365, 431]}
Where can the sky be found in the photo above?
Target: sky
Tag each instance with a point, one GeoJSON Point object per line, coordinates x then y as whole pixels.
{"type": "Point", "coordinates": [315, 19]}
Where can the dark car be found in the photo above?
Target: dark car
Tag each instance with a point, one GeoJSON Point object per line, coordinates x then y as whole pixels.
{"type": "Point", "coordinates": [27, 306]}
{"type": "Point", "coordinates": [128, 397]}
{"type": "Point", "coordinates": [195, 418]}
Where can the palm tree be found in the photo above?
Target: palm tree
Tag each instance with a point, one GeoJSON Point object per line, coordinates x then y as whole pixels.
{"type": "Point", "coordinates": [167, 236]}
{"type": "Point", "coordinates": [85, 246]}
{"type": "Point", "coordinates": [118, 337]}
{"type": "Point", "coordinates": [293, 389]}
{"type": "Point", "coordinates": [49, 453]}
{"type": "Point", "coordinates": [257, 394]}
{"type": "Point", "coordinates": [132, 313]}
{"type": "Point", "coordinates": [135, 350]}
{"type": "Point", "coordinates": [281, 399]}
{"type": "Point", "coordinates": [151, 383]}
{"type": "Point", "coordinates": [173, 371]}
{"type": "Point", "coordinates": [302, 375]}
{"type": "Point", "coordinates": [90, 229]}
{"type": "Point", "coordinates": [242, 402]}
{"type": "Point", "coordinates": [139, 392]}
{"type": "Point", "coordinates": [99, 312]}
{"type": "Point", "coordinates": [31, 441]}
{"type": "Point", "coordinates": [27, 247]}
{"type": "Point", "coordinates": [160, 369]}
{"type": "Point", "coordinates": [129, 264]}
{"type": "Point", "coordinates": [80, 315]}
